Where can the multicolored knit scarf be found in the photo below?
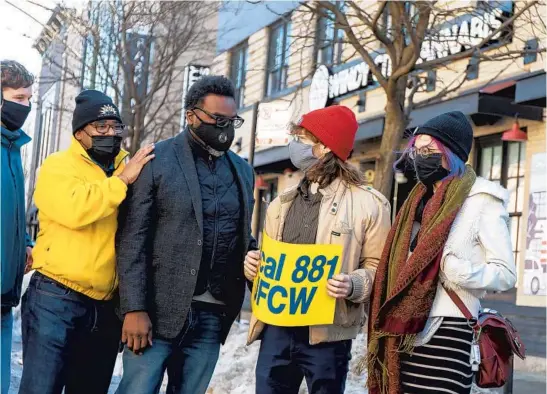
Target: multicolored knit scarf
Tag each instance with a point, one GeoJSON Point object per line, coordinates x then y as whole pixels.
{"type": "Point", "coordinates": [405, 287]}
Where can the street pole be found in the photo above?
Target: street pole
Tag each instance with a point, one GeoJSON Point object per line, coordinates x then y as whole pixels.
{"type": "Point", "coordinates": [508, 387]}
{"type": "Point", "coordinates": [252, 144]}
{"type": "Point", "coordinates": [256, 208]}
{"type": "Point", "coordinates": [394, 206]}
{"type": "Point", "coordinates": [252, 147]}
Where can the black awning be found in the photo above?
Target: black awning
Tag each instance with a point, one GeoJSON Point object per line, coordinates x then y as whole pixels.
{"type": "Point", "coordinates": [468, 104]}
{"type": "Point", "coordinates": [487, 104]}
{"type": "Point", "coordinates": [482, 108]}
{"type": "Point", "coordinates": [370, 128]}
{"type": "Point", "coordinates": [530, 90]}
{"type": "Point", "coordinates": [271, 155]}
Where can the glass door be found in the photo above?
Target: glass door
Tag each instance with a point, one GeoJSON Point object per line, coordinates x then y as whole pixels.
{"type": "Point", "coordinates": [504, 163]}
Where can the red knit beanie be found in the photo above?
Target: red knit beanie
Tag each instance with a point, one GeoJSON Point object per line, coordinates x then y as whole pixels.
{"type": "Point", "coordinates": [334, 126]}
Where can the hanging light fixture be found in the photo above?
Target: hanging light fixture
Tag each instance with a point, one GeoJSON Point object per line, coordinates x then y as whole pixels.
{"type": "Point", "coordinates": [261, 184]}
{"type": "Point", "coordinates": [515, 134]}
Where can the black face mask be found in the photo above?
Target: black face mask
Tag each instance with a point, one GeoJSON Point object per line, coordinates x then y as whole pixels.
{"type": "Point", "coordinates": [105, 148]}
{"type": "Point", "coordinates": [14, 114]}
{"type": "Point", "coordinates": [429, 169]}
{"type": "Point", "coordinates": [218, 138]}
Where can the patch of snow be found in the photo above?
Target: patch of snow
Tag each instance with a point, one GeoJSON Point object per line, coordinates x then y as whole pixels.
{"type": "Point", "coordinates": [234, 373]}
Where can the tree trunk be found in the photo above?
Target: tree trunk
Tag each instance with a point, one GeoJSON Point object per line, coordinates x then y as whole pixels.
{"type": "Point", "coordinates": [394, 126]}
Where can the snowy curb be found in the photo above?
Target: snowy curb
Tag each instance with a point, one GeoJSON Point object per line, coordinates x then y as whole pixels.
{"type": "Point", "coordinates": [530, 364]}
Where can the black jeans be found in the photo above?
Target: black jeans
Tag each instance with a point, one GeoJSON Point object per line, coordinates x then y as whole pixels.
{"type": "Point", "coordinates": [70, 341]}
{"type": "Point", "coordinates": [286, 357]}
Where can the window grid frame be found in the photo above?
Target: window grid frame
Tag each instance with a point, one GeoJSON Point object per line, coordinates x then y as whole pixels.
{"type": "Point", "coordinates": [238, 71]}
{"type": "Point", "coordinates": [278, 69]}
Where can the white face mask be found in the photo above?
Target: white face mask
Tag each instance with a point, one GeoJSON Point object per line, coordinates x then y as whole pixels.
{"type": "Point", "coordinates": [301, 155]}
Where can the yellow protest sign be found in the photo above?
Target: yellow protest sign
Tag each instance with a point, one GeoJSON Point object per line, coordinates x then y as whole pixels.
{"type": "Point", "coordinates": [291, 287]}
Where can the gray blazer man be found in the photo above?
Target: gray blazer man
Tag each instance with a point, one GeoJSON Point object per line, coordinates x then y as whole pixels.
{"type": "Point", "coordinates": [184, 231]}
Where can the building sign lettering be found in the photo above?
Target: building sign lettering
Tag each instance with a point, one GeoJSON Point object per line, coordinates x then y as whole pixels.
{"type": "Point", "coordinates": [462, 36]}
{"type": "Point", "coordinates": [327, 86]}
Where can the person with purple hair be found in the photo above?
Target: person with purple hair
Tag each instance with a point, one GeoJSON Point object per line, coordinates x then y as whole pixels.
{"type": "Point", "coordinates": [451, 233]}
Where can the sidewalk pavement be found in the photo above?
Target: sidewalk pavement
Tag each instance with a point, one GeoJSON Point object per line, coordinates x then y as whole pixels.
{"type": "Point", "coordinates": [530, 323]}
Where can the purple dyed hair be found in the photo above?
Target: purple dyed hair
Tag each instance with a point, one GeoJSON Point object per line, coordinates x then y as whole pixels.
{"type": "Point", "coordinates": [456, 166]}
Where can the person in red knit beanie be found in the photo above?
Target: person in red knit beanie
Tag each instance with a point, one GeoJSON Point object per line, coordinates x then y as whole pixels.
{"type": "Point", "coordinates": [334, 127]}
{"type": "Point", "coordinates": [331, 205]}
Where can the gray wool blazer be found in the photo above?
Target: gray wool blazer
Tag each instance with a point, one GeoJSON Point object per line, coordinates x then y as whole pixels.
{"type": "Point", "coordinates": [160, 238]}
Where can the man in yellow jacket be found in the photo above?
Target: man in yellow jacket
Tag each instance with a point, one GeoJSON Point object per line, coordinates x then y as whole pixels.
{"type": "Point", "coordinates": [70, 330]}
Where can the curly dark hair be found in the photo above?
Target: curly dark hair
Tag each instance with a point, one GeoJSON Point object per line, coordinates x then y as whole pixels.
{"type": "Point", "coordinates": [15, 75]}
{"type": "Point", "coordinates": [209, 84]}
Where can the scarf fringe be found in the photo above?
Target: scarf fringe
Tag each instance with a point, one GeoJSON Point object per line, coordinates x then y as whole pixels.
{"type": "Point", "coordinates": [378, 375]}
{"type": "Point", "coordinates": [408, 344]}
{"type": "Point", "coordinates": [378, 372]}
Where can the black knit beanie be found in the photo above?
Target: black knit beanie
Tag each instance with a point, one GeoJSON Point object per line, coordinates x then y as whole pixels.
{"type": "Point", "coordinates": [92, 105]}
{"type": "Point", "coordinates": [453, 130]}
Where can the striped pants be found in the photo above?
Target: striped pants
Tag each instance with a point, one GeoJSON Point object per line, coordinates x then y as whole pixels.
{"type": "Point", "coordinates": [441, 366]}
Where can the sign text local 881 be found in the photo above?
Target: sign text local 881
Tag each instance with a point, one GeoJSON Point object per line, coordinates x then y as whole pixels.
{"type": "Point", "coordinates": [291, 286]}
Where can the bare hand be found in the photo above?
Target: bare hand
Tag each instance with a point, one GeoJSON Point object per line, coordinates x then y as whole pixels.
{"type": "Point", "coordinates": [134, 167]}
{"type": "Point", "coordinates": [340, 286]}
{"type": "Point", "coordinates": [250, 266]}
{"type": "Point", "coordinates": [137, 331]}
{"type": "Point", "coordinates": [30, 261]}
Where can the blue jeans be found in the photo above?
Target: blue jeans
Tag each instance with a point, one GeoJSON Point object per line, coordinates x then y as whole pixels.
{"type": "Point", "coordinates": [286, 357]}
{"type": "Point", "coordinates": [7, 328]}
{"type": "Point", "coordinates": [190, 359]}
{"type": "Point", "coordinates": [70, 341]}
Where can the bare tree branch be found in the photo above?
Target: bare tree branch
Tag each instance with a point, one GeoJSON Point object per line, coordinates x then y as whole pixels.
{"type": "Point", "coordinates": [468, 53]}
{"type": "Point", "coordinates": [171, 33]}
{"type": "Point", "coordinates": [343, 21]}
{"type": "Point", "coordinates": [410, 25]}
{"type": "Point", "coordinates": [412, 52]}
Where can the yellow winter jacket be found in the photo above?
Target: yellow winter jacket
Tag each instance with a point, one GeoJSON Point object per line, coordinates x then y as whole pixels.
{"type": "Point", "coordinates": [77, 211]}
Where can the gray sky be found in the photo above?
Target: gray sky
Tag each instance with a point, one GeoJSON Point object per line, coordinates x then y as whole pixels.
{"type": "Point", "coordinates": [19, 31]}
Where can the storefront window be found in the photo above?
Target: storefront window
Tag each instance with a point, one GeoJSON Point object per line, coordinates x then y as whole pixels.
{"type": "Point", "coordinates": [504, 163]}
{"type": "Point", "coordinates": [368, 169]}
{"type": "Point", "coordinates": [265, 197]}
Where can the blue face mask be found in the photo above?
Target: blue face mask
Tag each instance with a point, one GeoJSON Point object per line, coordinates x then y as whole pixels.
{"type": "Point", "coordinates": [301, 155]}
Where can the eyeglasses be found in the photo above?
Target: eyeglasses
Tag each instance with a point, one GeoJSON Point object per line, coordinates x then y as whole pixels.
{"type": "Point", "coordinates": [424, 151]}
{"type": "Point", "coordinates": [221, 121]}
{"type": "Point", "coordinates": [301, 138]}
{"type": "Point", "coordinates": [103, 128]}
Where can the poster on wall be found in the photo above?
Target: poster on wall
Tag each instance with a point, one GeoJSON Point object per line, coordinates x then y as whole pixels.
{"type": "Point", "coordinates": [272, 124]}
{"type": "Point", "coordinates": [535, 259]}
